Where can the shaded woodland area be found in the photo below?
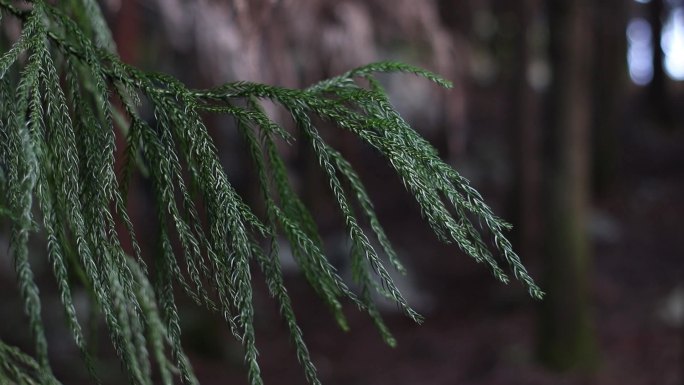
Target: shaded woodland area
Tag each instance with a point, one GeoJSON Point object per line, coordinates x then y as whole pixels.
{"type": "Point", "coordinates": [566, 115]}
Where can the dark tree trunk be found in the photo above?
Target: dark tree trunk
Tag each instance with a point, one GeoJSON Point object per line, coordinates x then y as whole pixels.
{"type": "Point", "coordinates": [525, 137]}
{"type": "Point", "coordinates": [656, 13]}
{"type": "Point", "coordinates": [126, 33]}
{"type": "Point", "coordinates": [456, 17]}
{"type": "Point", "coordinates": [609, 77]}
{"type": "Point", "coordinates": [567, 339]}
{"type": "Point", "coordinates": [657, 94]}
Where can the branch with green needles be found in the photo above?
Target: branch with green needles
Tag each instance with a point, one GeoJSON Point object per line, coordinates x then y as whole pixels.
{"type": "Point", "coordinates": [58, 81]}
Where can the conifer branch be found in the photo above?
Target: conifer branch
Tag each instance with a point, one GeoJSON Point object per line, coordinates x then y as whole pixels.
{"type": "Point", "coordinates": [57, 83]}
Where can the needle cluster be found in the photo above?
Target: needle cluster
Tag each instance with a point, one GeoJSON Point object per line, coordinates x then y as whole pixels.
{"type": "Point", "coordinates": [58, 85]}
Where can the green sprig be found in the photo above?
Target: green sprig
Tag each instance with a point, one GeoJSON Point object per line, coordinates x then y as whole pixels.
{"type": "Point", "coordinates": [58, 147]}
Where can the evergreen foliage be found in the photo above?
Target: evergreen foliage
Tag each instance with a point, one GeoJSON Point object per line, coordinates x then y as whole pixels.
{"type": "Point", "coordinates": [57, 150]}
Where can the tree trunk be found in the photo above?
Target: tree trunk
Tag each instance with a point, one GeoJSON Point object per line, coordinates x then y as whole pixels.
{"type": "Point", "coordinates": [657, 94]}
{"type": "Point", "coordinates": [526, 138]}
{"type": "Point", "coordinates": [567, 337]}
{"type": "Point", "coordinates": [610, 74]}
{"type": "Point", "coordinates": [126, 34]}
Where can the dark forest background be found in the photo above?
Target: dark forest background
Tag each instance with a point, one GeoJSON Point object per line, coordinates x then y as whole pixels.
{"type": "Point", "coordinates": [567, 115]}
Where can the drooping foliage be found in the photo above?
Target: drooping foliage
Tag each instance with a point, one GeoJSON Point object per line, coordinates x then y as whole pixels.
{"type": "Point", "coordinates": [62, 89]}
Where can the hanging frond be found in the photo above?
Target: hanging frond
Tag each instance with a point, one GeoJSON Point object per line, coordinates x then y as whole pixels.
{"type": "Point", "coordinates": [16, 367]}
{"type": "Point", "coordinates": [57, 148]}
